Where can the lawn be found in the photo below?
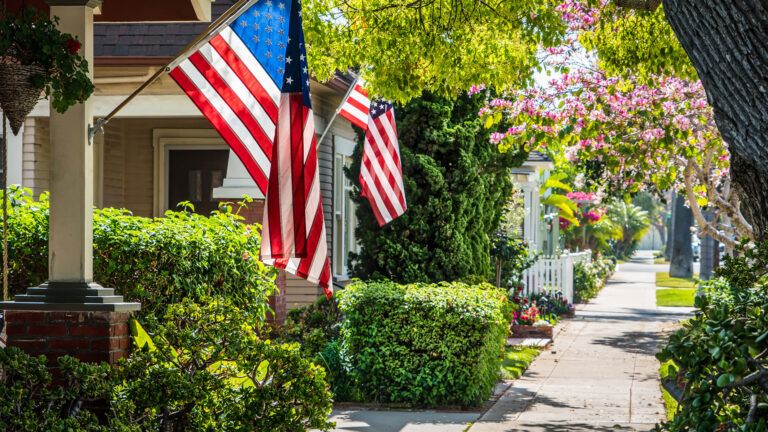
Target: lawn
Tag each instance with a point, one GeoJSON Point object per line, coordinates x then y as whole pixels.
{"type": "Point", "coordinates": [516, 361]}
{"type": "Point", "coordinates": [660, 260]}
{"type": "Point", "coordinates": [675, 296]}
{"type": "Point", "coordinates": [669, 402]}
{"type": "Point", "coordinates": [664, 280]}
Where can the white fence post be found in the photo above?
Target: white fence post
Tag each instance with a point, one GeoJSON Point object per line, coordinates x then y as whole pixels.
{"type": "Point", "coordinates": [554, 274]}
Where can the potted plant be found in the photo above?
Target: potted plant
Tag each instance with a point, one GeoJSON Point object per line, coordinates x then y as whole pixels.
{"type": "Point", "coordinates": [37, 59]}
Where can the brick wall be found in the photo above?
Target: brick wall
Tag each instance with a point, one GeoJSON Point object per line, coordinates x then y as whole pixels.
{"type": "Point", "coordinates": [88, 336]}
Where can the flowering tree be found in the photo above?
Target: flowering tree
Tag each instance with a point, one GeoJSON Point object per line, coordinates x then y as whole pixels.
{"type": "Point", "coordinates": [629, 137]}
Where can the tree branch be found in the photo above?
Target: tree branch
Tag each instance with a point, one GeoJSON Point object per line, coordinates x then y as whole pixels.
{"type": "Point", "coordinates": [646, 5]}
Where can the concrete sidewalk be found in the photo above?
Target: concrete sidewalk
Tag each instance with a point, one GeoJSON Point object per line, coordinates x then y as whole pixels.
{"type": "Point", "coordinates": [601, 373]}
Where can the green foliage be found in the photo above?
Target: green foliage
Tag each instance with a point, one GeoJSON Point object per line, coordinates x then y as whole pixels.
{"type": "Point", "coordinates": [213, 372]}
{"type": "Point", "coordinates": [456, 184]}
{"type": "Point", "coordinates": [313, 326]}
{"type": "Point", "coordinates": [154, 261]}
{"type": "Point", "coordinates": [665, 373]}
{"type": "Point", "coordinates": [443, 47]}
{"type": "Point", "coordinates": [720, 353]}
{"type": "Point", "coordinates": [207, 370]}
{"type": "Point", "coordinates": [512, 257]}
{"type": "Point", "coordinates": [29, 402]}
{"type": "Point", "coordinates": [30, 38]}
{"type": "Point", "coordinates": [425, 345]}
{"type": "Point", "coordinates": [632, 222]}
{"type": "Point", "coordinates": [638, 43]}
{"type": "Point", "coordinates": [589, 278]}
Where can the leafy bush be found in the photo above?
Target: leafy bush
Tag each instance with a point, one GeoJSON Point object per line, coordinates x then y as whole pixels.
{"type": "Point", "coordinates": [533, 307]}
{"type": "Point", "coordinates": [720, 355]}
{"type": "Point", "coordinates": [632, 222]}
{"type": "Point", "coordinates": [313, 326]}
{"type": "Point", "coordinates": [29, 401]}
{"type": "Point", "coordinates": [456, 182]}
{"type": "Point", "coordinates": [154, 261]}
{"type": "Point", "coordinates": [424, 345]}
{"type": "Point", "coordinates": [589, 278]}
{"type": "Point", "coordinates": [207, 370]}
{"type": "Point", "coordinates": [512, 257]}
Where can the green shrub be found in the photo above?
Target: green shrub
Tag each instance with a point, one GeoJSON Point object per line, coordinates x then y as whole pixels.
{"type": "Point", "coordinates": [29, 401]}
{"type": "Point", "coordinates": [313, 326]}
{"type": "Point", "coordinates": [154, 261]}
{"type": "Point", "coordinates": [589, 278]}
{"type": "Point", "coordinates": [425, 345]}
{"type": "Point", "coordinates": [457, 184]}
{"type": "Point", "coordinates": [721, 353]}
{"type": "Point", "coordinates": [208, 371]}
{"type": "Point", "coordinates": [215, 373]}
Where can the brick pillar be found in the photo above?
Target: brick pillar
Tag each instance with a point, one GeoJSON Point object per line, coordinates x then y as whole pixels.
{"type": "Point", "coordinates": [278, 302]}
{"type": "Point", "coordinates": [89, 336]}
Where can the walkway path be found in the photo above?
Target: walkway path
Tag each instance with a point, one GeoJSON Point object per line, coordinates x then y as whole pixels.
{"type": "Point", "coordinates": [601, 374]}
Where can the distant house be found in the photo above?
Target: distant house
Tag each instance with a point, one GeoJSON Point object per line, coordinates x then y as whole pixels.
{"type": "Point", "coordinates": [160, 151]}
{"type": "Point", "coordinates": [528, 178]}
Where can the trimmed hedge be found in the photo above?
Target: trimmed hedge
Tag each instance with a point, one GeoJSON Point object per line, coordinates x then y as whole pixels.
{"type": "Point", "coordinates": [156, 261]}
{"type": "Point", "coordinates": [424, 344]}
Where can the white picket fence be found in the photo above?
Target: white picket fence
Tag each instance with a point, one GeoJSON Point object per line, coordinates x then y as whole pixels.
{"type": "Point", "coordinates": [554, 275]}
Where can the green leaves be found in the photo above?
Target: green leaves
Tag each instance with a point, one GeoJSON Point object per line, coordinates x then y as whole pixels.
{"type": "Point", "coordinates": [425, 344]}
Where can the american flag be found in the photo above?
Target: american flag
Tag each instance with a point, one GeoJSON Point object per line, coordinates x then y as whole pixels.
{"type": "Point", "coordinates": [381, 171]}
{"type": "Point", "coordinates": [251, 81]}
{"type": "Point", "coordinates": [356, 106]}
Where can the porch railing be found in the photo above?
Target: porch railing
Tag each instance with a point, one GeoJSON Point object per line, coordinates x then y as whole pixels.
{"type": "Point", "coordinates": [554, 274]}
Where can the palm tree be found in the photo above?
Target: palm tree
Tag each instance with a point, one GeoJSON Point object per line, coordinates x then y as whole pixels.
{"type": "Point", "coordinates": [633, 222]}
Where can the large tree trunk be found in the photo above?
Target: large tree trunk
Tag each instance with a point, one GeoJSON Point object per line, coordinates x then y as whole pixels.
{"type": "Point", "coordinates": [707, 252]}
{"type": "Point", "coordinates": [727, 42]}
{"type": "Point", "coordinates": [670, 228]}
{"type": "Point", "coordinates": [681, 263]}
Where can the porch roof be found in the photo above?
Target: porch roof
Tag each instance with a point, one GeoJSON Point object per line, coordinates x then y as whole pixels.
{"type": "Point", "coordinates": [135, 10]}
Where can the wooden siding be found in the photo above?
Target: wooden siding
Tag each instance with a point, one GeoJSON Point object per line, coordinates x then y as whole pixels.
{"type": "Point", "coordinates": [36, 167]}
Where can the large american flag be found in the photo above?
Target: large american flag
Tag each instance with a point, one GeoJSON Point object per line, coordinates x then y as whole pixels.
{"type": "Point", "coordinates": [381, 171]}
{"type": "Point", "coordinates": [251, 81]}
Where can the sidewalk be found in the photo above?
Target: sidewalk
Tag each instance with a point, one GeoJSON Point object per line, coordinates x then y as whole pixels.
{"type": "Point", "coordinates": [601, 373]}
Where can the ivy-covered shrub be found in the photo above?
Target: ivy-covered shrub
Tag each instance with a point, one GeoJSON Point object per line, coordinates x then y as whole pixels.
{"type": "Point", "coordinates": [424, 345]}
{"type": "Point", "coordinates": [156, 261]}
{"type": "Point", "coordinates": [205, 369]}
{"type": "Point", "coordinates": [719, 357]}
{"type": "Point", "coordinates": [456, 184]}
{"type": "Point", "coordinates": [589, 278]}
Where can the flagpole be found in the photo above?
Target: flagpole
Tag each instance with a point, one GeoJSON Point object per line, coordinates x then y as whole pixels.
{"type": "Point", "coordinates": [225, 19]}
{"type": "Point", "coordinates": [336, 113]}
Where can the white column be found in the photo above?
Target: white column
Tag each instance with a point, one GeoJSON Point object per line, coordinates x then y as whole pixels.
{"type": "Point", "coordinates": [237, 182]}
{"type": "Point", "coordinates": [71, 214]}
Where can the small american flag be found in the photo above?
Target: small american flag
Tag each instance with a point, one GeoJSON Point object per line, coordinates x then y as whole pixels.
{"type": "Point", "coordinates": [381, 171]}
{"type": "Point", "coordinates": [251, 81]}
{"type": "Point", "coordinates": [356, 106]}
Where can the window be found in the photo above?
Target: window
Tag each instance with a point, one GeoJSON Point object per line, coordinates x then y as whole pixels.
{"type": "Point", "coordinates": [344, 218]}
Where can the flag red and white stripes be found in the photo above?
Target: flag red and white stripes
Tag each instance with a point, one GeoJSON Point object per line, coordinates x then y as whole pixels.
{"type": "Point", "coordinates": [381, 171]}
{"type": "Point", "coordinates": [355, 108]}
{"type": "Point", "coordinates": [251, 81]}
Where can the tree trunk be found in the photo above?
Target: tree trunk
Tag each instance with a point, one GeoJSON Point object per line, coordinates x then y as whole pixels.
{"type": "Point", "coordinates": [727, 42]}
{"type": "Point", "coordinates": [707, 253]}
{"type": "Point", "coordinates": [681, 263]}
{"type": "Point", "coordinates": [670, 227]}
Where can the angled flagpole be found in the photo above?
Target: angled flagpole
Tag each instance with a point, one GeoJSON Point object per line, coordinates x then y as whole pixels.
{"type": "Point", "coordinates": [224, 20]}
{"type": "Point", "coordinates": [338, 110]}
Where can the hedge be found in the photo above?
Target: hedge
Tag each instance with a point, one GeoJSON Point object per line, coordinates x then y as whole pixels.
{"type": "Point", "coordinates": [424, 344]}
{"type": "Point", "coordinates": [156, 261]}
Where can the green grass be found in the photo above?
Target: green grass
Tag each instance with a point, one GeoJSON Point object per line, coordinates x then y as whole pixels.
{"type": "Point", "coordinates": [669, 402]}
{"type": "Point", "coordinates": [664, 280]}
{"type": "Point", "coordinates": [675, 296]}
{"type": "Point", "coordinates": [516, 360]}
{"type": "Point", "coordinates": [660, 260]}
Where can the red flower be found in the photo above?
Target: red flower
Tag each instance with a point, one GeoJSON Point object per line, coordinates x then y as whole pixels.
{"type": "Point", "coordinates": [73, 46]}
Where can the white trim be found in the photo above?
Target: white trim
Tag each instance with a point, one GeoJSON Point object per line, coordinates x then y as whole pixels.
{"type": "Point", "coordinates": [165, 140]}
{"type": "Point", "coordinates": [343, 145]}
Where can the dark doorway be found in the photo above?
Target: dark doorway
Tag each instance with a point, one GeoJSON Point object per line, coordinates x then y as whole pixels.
{"type": "Point", "coordinates": [192, 176]}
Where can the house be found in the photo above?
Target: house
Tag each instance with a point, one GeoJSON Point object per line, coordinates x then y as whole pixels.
{"type": "Point", "coordinates": [528, 178]}
{"type": "Point", "coordinates": [159, 150]}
